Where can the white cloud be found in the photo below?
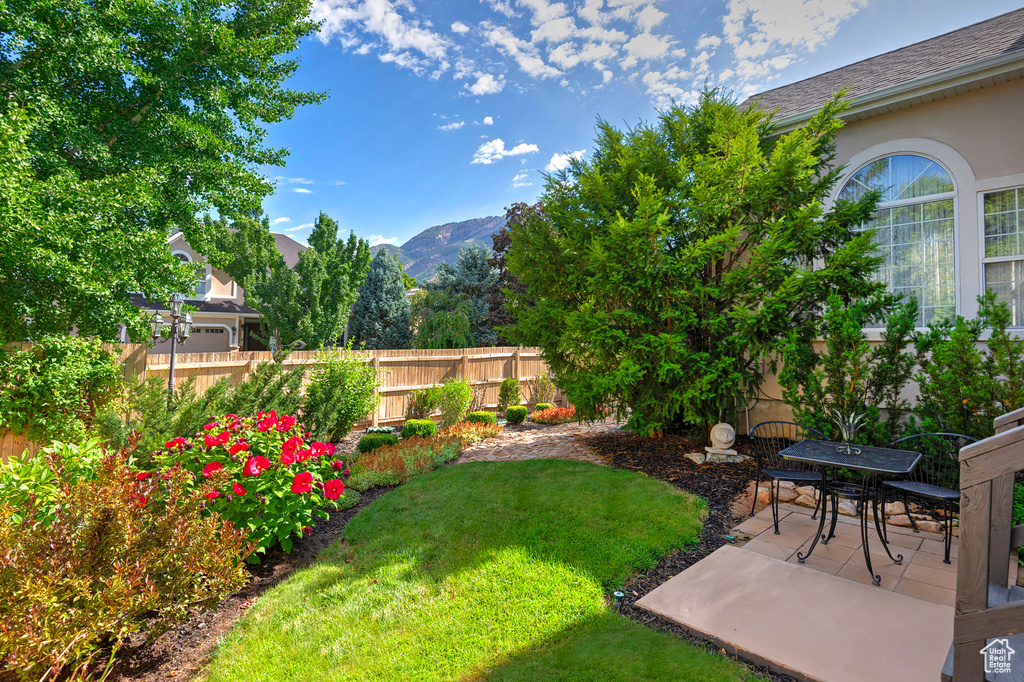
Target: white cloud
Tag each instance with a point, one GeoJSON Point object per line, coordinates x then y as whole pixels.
{"type": "Point", "coordinates": [705, 41]}
{"type": "Point", "coordinates": [376, 239]}
{"type": "Point", "coordinates": [522, 52]}
{"type": "Point", "coordinates": [302, 190]}
{"type": "Point", "coordinates": [560, 161]}
{"type": "Point", "coordinates": [502, 7]}
{"type": "Point", "coordinates": [649, 17]}
{"type": "Point", "coordinates": [340, 182]}
{"type": "Point", "coordinates": [486, 84]}
{"type": "Point", "coordinates": [645, 46]}
{"type": "Point", "coordinates": [554, 31]}
{"type": "Point", "coordinates": [664, 87]}
{"type": "Point", "coordinates": [401, 38]}
{"type": "Point", "coordinates": [277, 221]}
{"type": "Point", "coordinates": [494, 150]}
{"type": "Point", "coordinates": [606, 76]}
{"type": "Point", "coordinates": [298, 181]}
{"type": "Point", "coordinates": [755, 28]}
{"type": "Point", "coordinates": [543, 11]}
{"type": "Point", "coordinates": [460, 28]}
{"type": "Point", "coordinates": [303, 226]}
{"type": "Point", "coordinates": [520, 180]}
{"type": "Point", "coordinates": [454, 125]}
{"type": "Point", "coordinates": [488, 121]}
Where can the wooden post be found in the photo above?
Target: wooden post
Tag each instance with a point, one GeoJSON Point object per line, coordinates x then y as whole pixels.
{"type": "Point", "coordinates": [1000, 526]}
{"type": "Point", "coordinates": [971, 578]}
{"type": "Point", "coordinates": [516, 370]}
{"type": "Point", "coordinates": [464, 367]}
{"type": "Point", "coordinates": [375, 420]}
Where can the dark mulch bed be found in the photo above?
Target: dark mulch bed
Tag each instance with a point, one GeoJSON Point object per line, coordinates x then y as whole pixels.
{"type": "Point", "coordinates": [183, 651]}
{"type": "Point", "coordinates": [719, 484]}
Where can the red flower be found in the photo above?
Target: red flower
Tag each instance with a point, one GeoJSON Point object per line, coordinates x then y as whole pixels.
{"type": "Point", "coordinates": [254, 466]}
{"type": "Point", "coordinates": [219, 439]}
{"type": "Point", "coordinates": [288, 457]}
{"type": "Point", "coordinates": [302, 483]}
{"type": "Point", "coordinates": [143, 475]}
{"type": "Point", "coordinates": [306, 530]}
{"type": "Point", "coordinates": [175, 443]}
{"type": "Point", "coordinates": [337, 464]}
{"type": "Point", "coordinates": [330, 449]}
{"type": "Point", "coordinates": [303, 455]}
{"type": "Point", "coordinates": [320, 449]}
{"type": "Point", "coordinates": [212, 495]}
{"type": "Point", "coordinates": [141, 500]}
{"type": "Point", "coordinates": [286, 423]}
{"type": "Point", "coordinates": [239, 490]}
{"type": "Point", "coordinates": [231, 416]}
{"type": "Point", "coordinates": [210, 468]}
{"type": "Point", "coordinates": [333, 489]}
{"type": "Point", "coordinates": [238, 447]}
{"type": "Point", "coordinates": [292, 444]}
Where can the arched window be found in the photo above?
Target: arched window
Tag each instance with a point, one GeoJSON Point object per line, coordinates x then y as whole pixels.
{"type": "Point", "coordinates": [201, 273]}
{"type": "Point", "coordinates": [914, 224]}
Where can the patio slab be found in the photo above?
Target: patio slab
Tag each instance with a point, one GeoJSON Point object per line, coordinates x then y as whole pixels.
{"type": "Point", "coordinates": [804, 622]}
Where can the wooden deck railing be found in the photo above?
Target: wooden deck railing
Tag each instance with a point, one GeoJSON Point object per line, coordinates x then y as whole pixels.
{"type": "Point", "coordinates": [984, 609]}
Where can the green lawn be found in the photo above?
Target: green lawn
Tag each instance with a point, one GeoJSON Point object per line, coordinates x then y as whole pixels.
{"type": "Point", "coordinates": [481, 571]}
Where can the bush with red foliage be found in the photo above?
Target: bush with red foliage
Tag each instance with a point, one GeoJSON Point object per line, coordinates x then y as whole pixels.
{"type": "Point", "coordinates": [554, 415]}
{"type": "Point", "coordinates": [125, 550]}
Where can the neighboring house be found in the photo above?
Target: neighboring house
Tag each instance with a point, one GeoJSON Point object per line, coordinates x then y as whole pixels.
{"type": "Point", "coordinates": [221, 321]}
{"type": "Point", "coordinates": [938, 126]}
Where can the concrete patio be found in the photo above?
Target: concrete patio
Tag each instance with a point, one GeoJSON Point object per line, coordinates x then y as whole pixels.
{"type": "Point", "coordinates": [822, 620]}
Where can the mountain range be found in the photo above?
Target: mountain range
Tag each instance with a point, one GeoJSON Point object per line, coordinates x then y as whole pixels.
{"type": "Point", "coordinates": [441, 244]}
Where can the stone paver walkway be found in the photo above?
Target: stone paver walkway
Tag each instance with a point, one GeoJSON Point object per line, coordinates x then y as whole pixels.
{"type": "Point", "coordinates": [561, 441]}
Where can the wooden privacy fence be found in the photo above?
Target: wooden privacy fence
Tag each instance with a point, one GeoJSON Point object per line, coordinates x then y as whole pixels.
{"type": "Point", "coordinates": [400, 371]}
{"type": "Point", "coordinates": [132, 357]}
{"type": "Point", "coordinates": [986, 607]}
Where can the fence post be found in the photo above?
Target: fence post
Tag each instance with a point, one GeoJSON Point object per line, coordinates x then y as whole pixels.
{"type": "Point", "coordinates": [376, 413]}
{"type": "Point", "coordinates": [516, 371]}
{"type": "Point", "coordinates": [464, 366]}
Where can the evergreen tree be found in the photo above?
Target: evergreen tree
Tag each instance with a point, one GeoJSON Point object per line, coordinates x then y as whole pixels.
{"type": "Point", "coordinates": [380, 317]}
{"type": "Point", "coordinates": [473, 278]}
{"type": "Point", "coordinates": [677, 260]}
{"type": "Point", "coordinates": [516, 215]}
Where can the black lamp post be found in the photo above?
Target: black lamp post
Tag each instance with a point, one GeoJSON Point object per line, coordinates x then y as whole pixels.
{"type": "Point", "coordinates": [181, 329]}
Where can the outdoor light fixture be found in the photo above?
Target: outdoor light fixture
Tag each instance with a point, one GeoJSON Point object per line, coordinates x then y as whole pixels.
{"type": "Point", "coordinates": [181, 329]}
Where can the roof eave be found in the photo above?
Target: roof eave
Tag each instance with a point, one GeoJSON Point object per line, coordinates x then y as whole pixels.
{"type": "Point", "coordinates": [999, 69]}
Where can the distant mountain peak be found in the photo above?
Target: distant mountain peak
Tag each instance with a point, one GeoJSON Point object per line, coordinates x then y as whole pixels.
{"type": "Point", "coordinates": [441, 244]}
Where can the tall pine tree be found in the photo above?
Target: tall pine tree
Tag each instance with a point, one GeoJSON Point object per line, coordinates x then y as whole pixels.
{"type": "Point", "coordinates": [380, 317]}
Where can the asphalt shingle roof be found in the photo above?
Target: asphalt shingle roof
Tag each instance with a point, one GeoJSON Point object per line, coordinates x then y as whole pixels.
{"type": "Point", "coordinates": [975, 43]}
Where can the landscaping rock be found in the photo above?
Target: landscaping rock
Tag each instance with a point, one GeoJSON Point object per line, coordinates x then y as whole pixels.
{"type": "Point", "coordinates": [764, 495]}
{"type": "Point", "coordinates": [930, 526]}
{"type": "Point", "coordinates": [847, 508]}
{"type": "Point", "coordinates": [806, 501]}
{"type": "Point", "coordinates": [899, 520]}
{"type": "Point", "coordinates": [895, 508]}
{"type": "Point", "coordinates": [696, 457]}
{"type": "Point", "coordinates": [808, 490]}
{"type": "Point", "coordinates": [787, 495]}
{"type": "Point", "coordinates": [787, 485]}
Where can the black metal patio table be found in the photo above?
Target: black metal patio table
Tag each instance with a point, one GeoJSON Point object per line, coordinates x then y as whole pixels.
{"type": "Point", "coordinates": [869, 460]}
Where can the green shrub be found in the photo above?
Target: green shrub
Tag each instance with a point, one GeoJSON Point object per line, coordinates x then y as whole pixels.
{"type": "Point", "coordinates": [342, 390]}
{"type": "Point", "coordinates": [123, 551]}
{"type": "Point", "coordinates": [508, 394]}
{"type": "Point", "coordinates": [422, 402]}
{"type": "Point", "coordinates": [540, 407]}
{"type": "Point", "coordinates": [51, 390]}
{"type": "Point", "coordinates": [482, 417]}
{"type": "Point", "coordinates": [456, 395]}
{"type": "Point", "coordinates": [515, 414]}
{"type": "Point", "coordinates": [419, 427]}
{"type": "Point", "coordinates": [1018, 504]}
{"type": "Point", "coordinates": [372, 441]}
{"type": "Point", "coordinates": [40, 479]}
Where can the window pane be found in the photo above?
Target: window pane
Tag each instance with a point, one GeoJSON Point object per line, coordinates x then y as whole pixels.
{"type": "Point", "coordinates": [1003, 224]}
{"type": "Point", "coordinates": [915, 176]}
{"type": "Point", "coordinates": [1006, 280]}
{"type": "Point", "coordinates": [997, 202]}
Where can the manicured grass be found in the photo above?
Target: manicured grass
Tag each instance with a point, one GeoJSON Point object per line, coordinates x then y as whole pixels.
{"type": "Point", "coordinates": [481, 571]}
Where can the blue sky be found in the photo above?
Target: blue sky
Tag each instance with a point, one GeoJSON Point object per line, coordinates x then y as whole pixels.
{"type": "Point", "coordinates": [445, 111]}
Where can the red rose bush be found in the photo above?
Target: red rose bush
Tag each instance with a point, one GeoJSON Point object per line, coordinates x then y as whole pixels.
{"type": "Point", "coordinates": [261, 474]}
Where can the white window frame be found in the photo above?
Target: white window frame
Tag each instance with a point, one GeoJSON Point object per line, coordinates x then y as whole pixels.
{"type": "Point", "coordinates": [899, 203]}
{"type": "Point", "coordinates": [1013, 182]}
{"type": "Point", "coordinates": [207, 271]}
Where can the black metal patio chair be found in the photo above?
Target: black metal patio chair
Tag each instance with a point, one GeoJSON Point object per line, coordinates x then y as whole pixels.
{"type": "Point", "coordinates": [768, 439]}
{"type": "Point", "coordinates": [936, 478]}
